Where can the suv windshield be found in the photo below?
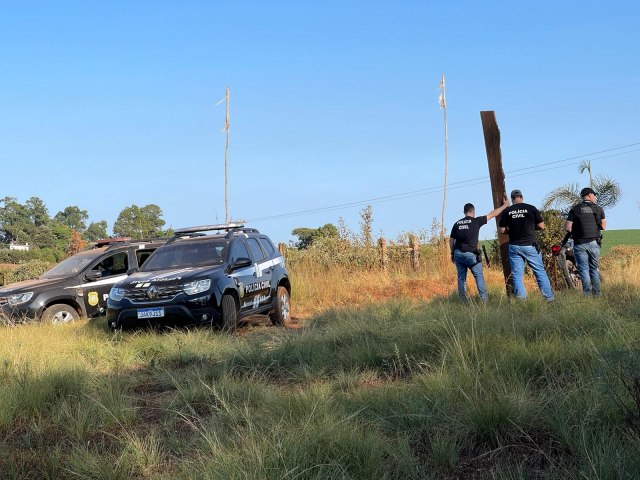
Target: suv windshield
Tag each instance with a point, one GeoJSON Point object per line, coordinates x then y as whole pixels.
{"type": "Point", "coordinates": [73, 265]}
{"type": "Point", "coordinates": [186, 254]}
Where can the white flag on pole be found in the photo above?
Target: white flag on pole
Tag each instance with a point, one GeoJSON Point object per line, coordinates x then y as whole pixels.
{"type": "Point", "coordinates": [441, 98]}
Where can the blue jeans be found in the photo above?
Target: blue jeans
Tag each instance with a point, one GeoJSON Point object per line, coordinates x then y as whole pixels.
{"type": "Point", "coordinates": [587, 258]}
{"type": "Point", "coordinates": [518, 255]}
{"type": "Point", "coordinates": [464, 261]}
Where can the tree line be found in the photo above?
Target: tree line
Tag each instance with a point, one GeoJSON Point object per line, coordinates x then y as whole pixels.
{"type": "Point", "coordinates": [30, 222]}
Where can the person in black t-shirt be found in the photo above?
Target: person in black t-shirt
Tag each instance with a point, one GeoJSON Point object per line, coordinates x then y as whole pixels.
{"type": "Point", "coordinates": [520, 221]}
{"type": "Point", "coordinates": [584, 222]}
{"type": "Point", "coordinates": [463, 242]}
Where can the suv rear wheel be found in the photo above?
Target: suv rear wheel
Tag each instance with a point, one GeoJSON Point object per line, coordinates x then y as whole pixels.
{"type": "Point", "coordinates": [229, 313]}
{"type": "Point", "coordinates": [282, 311]}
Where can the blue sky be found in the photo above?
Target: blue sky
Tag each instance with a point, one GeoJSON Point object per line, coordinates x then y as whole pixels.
{"type": "Point", "coordinates": [108, 104]}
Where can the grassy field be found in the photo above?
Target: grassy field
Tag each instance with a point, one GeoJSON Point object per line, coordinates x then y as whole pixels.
{"type": "Point", "coordinates": [395, 379]}
{"type": "Point", "coordinates": [614, 238]}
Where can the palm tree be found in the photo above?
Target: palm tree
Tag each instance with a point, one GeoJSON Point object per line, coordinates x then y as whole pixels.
{"type": "Point", "coordinates": [586, 165]}
{"type": "Point", "coordinates": [563, 198]}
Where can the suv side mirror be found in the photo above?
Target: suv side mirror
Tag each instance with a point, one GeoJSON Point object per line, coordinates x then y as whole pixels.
{"type": "Point", "coordinates": [92, 275]}
{"type": "Point", "coordinates": [240, 262]}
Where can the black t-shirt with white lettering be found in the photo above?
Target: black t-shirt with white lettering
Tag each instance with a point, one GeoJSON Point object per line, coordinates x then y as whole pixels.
{"type": "Point", "coordinates": [521, 219]}
{"type": "Point", "coordinates": [465, 232]}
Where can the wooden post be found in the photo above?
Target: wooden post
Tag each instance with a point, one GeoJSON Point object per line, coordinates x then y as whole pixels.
{"type": "Point", "coordinates": [498, 190]}
{"type": "Point", "coordinates": [414, 247]}
{"type": "Point", "coordinates": [384, 259]}
{"type": "Point", "coordinates": [282, 248]}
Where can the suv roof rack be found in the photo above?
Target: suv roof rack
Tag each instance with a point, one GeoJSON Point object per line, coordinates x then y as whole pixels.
{"type": "Point", "coordinates": [240, 230]}
{"type": "Point", "coordinates": [209, 228]}
{"type": "Point", "coordinates": [111, 242]}
{"type": "Point", "coordinates": [108, 241]}
{"type": "Point", "coordinates": [230, 228]}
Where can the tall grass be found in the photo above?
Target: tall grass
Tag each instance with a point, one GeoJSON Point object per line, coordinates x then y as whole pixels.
{"type": "Point", "coordinates": [400, 388]}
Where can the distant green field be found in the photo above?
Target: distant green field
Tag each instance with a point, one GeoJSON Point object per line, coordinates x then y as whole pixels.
{"type": "Point", "coordinates": [619, 237]}
{"type": "Point", "coordinates": [611, 239]}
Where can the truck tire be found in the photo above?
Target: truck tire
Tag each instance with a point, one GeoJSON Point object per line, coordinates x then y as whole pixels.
{"type": "Point", "coordinates": [229, 308]}
{"type": "Point", "coordinates": [60, 313]}
{"type": "Point", "coordinates": [282, 310]}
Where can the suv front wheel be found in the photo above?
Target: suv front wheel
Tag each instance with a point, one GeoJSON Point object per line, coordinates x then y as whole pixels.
{"type": "Point", "coordinates": [229, 313]}
{"type": "Point", "coordinates": [60, 313]}
{"type": "Point", "coordinates": [282, 311]}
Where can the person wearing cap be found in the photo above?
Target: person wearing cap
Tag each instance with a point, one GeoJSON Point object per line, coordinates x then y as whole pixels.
{"type": "Point", "coordinates": [463, 243]}
{"type": "Point", "coordinates": [520, 221]}
{"type": "Point", "coordinates": [585, 221]}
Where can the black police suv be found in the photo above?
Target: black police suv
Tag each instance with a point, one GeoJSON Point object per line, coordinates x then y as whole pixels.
{"type": "Point", "coordinates": [79, 285]}
{"type": "Point", "coordinates": [197, 277]}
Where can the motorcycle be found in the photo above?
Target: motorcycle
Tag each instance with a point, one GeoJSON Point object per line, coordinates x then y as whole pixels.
{"type": "Point", "coordinates": [567, 263]}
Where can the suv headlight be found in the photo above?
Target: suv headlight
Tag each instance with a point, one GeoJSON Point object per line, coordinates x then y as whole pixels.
{"type": "Point", "coordinates": [18, 298]}
{"type": "Point", "coordinates": [116, 294]}
{"type": "Point", "coordinates": [198, 286]}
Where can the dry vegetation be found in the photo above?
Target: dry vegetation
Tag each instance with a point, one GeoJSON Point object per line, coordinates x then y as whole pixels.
{"type": "Point", "coordinates": [390, 377]}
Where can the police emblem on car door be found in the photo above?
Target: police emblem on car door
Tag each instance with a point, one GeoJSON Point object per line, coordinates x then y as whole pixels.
{"type": "Point", "coordinates": [111, 269]}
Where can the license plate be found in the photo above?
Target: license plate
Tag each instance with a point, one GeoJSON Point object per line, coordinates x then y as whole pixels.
{"type": "Point", "coordinates": [156, 312]}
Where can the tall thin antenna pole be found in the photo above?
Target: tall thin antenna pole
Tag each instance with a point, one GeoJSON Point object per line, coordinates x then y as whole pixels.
{"type": "Point", "coordinates": [226, 162]}
{"type": "Point", "coordinates": [443, 105]}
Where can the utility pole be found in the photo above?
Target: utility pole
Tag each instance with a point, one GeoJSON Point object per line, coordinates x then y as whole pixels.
{"type": "Point", "coordinates": [498, 190]}
{"type": "Point", "coordinates": [226, 162]}
{"type": "Point", "coordinates": [443, 104]}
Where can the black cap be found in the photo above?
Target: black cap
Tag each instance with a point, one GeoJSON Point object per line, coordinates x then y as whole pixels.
{"type": "Point", "coordinates": [586, 191]}
{"type": "Point", "coordinates": [516, 193]}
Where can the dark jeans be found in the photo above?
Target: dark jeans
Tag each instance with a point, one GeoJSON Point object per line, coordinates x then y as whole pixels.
{"type": "Point", "coordinates": [518, 255]}
{"type": "Point", "coordinates": [468, 261]}
{"type": "Point", "coordinates": [587, 259]}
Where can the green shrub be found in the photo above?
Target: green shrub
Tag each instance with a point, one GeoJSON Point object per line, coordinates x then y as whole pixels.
{"type": "Point", "coordinates": [27, 271]}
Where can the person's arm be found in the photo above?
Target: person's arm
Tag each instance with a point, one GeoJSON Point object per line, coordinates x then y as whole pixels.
{"type": "Point", "coordinates": [568, 226]}
{"type": "Point", "coordinates": [538, 219]}
{"type": "Point", "coordinates": [497, 211]}
{"type": "Point", "coordinates": [603, 221]}
{"type": "Point", "coordinates": [565, 239]}
{"type": "Point", "coordinates": [451, 245]}
{"type": "Point", "coordinates": [502, 225]}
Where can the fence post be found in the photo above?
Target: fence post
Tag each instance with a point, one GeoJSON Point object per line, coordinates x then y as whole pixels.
{"type": "Point", "coordinates": [384, 259]}
{"type": "Point", "coordinates": [282, 248]}
{"type": "Point", "coordinates": [414, 249]}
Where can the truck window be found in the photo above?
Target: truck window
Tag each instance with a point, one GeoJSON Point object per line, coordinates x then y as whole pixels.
{"type": "Point", "coordinates": [142, 255]}
{"type": "Point", "coordinates": [256, 251]}
{"type": "Point", "coordinates": [116, 264]}
{"type": "Point", "coordinates": [238, 250]}
{"type": "Point", "coordinates": [268, 246]}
